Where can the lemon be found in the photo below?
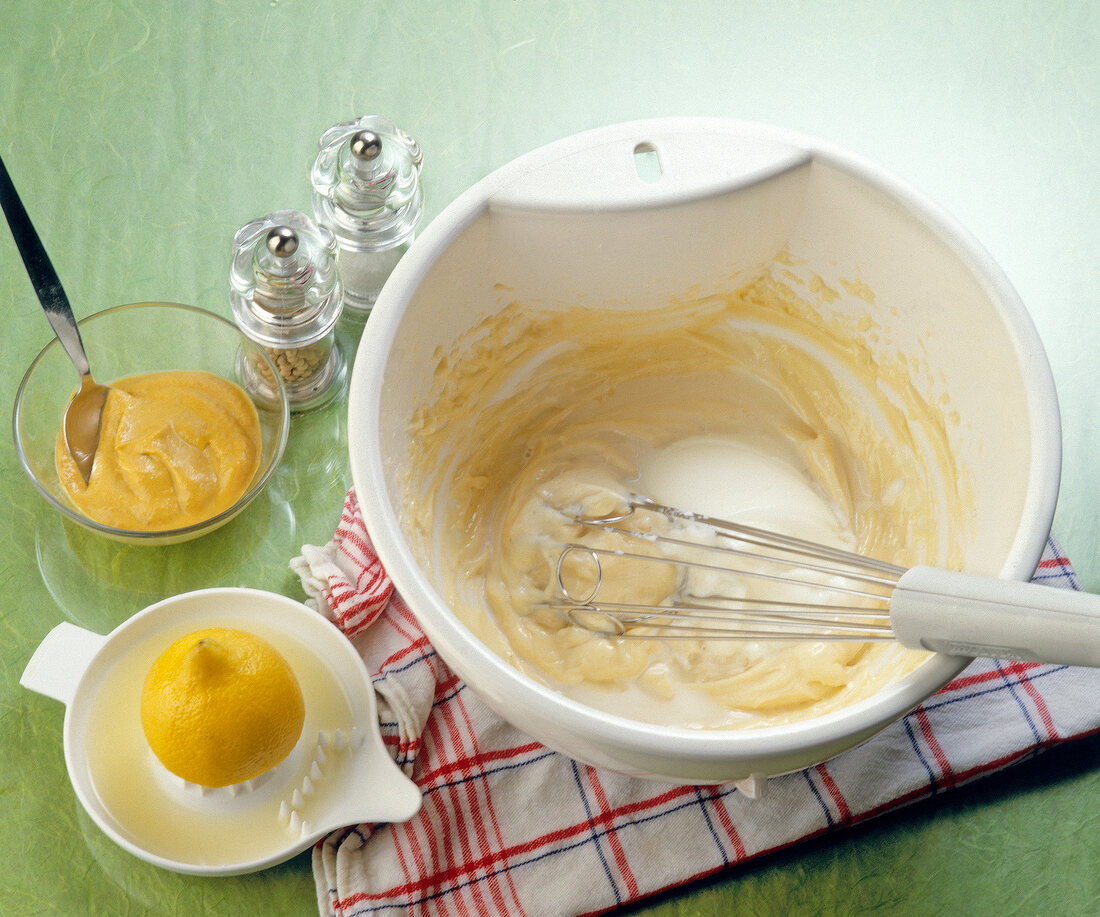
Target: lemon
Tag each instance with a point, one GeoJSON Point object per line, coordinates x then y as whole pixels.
{"type": "Point", "coordinates": [221, 706]}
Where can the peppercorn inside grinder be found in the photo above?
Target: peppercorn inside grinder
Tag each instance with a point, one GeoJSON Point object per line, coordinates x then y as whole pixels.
{"type": "Point", "coordinates": [286, 295]}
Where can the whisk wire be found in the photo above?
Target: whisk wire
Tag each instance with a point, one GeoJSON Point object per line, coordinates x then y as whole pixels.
{"type": "Point", "coordinates": [790, 620]}
{"type": "Point", "coordinates": [729, 616]}
{"type": "Point", "coordinates": [763, 538]}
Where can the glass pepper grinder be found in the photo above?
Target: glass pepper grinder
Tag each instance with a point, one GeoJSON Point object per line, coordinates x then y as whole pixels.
{"type": "Point", "coordinates": [286, 295]}
{"type": "Point", "coordinates": [366, 189]}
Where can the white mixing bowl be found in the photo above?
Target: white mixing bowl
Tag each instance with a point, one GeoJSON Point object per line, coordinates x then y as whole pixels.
{"type": "Point", "coordinates": [642, 212]}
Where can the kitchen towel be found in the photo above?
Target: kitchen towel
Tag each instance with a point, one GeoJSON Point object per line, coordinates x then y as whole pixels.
{"type": "Point", "coordinates": [508, 827]}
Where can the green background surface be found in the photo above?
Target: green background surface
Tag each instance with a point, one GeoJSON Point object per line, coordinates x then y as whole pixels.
{"type": "Point", "coordinates": [142, 135]}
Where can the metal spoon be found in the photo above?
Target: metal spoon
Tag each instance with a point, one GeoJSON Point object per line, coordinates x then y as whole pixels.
{"type": "Point", "coordinates": [80, 425]}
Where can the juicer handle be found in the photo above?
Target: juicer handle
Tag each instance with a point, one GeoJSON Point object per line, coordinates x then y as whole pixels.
{"type": "Point", "coordinates": [966, 615]}
{"type": "Point", "coordinates": [62, 658]}
{"type": "Point", "coordinates": [642, 164]}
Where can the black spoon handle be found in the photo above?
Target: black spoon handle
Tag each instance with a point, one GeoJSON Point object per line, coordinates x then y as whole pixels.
{"type": "Point", "coordinates": [40, 270]}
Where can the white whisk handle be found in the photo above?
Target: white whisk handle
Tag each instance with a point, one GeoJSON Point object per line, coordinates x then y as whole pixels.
{"type": "Point", "coordinates": [965, 615]}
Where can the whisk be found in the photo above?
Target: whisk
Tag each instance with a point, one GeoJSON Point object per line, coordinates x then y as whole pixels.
{"type": "Point", "coordinates": [846, 596]}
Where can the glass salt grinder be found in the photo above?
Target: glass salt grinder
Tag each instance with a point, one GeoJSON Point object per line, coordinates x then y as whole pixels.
{"type": "Point", "coordinates": [366, 189]}
{"type": "Point", "coordinates": [286, 295]}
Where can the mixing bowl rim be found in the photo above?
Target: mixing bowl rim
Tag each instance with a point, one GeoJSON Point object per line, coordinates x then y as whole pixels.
{"type": "Point", "coordinates": [161, 535]}
{"type": "Point", "coordinates": [443, 626]}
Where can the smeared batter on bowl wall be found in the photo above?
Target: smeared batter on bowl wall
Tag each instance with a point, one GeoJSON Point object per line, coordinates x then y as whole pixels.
{"type": "Point", "coordinates": [540, 409]}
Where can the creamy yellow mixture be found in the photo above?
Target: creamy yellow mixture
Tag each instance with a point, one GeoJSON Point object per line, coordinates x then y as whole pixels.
{"type": "Point", "coordinates": [175, 449]}
{"type": "Point", "coordinates": [539, 409]}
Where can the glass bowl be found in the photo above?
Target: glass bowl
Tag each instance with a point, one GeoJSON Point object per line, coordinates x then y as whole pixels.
{"type": "Point", "coordinates": [126, 341]}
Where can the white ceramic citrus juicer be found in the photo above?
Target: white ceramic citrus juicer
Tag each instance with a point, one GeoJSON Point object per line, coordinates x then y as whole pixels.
{"type": "Point", "coordinates": [338, 774]}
